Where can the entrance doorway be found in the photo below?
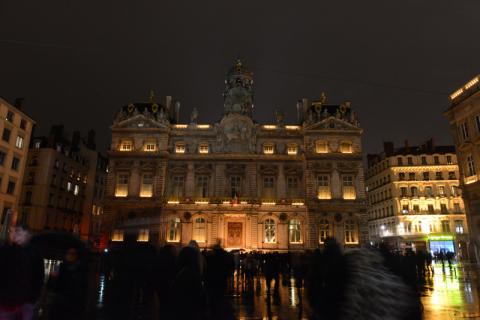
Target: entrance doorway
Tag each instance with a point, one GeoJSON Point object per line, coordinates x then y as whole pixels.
{"type": "Point", "coordinates": [234, 234]}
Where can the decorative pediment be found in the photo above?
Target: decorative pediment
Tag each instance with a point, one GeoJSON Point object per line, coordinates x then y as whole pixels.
{"type": "Point", "coordinates": [140, 121]}
{"type": "Point", "coordinates": [124, 164]}
{"type": "Point", "coordinates": [347, 166]}
{"type": "Point", "coordinates": [203, 169]}
{"type": "Point", "coordinates": [178, 168]}
{"type": "Point", "coordinates": [332, 123]}
{"type": "Point", "coordinates": [269, 170]}
{"type": "Point", "coordinates": [293, 170]}
{"type": "Point", "coordinates": [235, 169]}
{"type": "Point", "coordinates": [148, 165]}
{"type": "Point", "coordinates": [320, 166]}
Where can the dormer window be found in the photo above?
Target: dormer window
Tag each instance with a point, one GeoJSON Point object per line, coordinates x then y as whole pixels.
{"type": "Point", "coordinates": [180, 147]}
{"type": "Point", "coordinates": [126, 145]}
{"type": "Point", "coordinates": [203, 147]}
{"type": "Point", "coordinates": [268, 148]}
{"type": "Point", "coordinates": [292, 149]}
{"type": "Point", "coordinates": [346, 147]}
{"type": "Point", "coordinates": [321, 146]}
{"type": "Point", "coordinates": [150, 146]}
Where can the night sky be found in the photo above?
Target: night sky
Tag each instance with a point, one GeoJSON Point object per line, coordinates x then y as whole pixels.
{"type": "Point", "coordinates": [77, 62]}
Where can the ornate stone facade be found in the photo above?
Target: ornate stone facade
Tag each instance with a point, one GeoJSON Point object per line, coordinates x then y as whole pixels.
{"type": "Point", "coordinates": [236, 182]}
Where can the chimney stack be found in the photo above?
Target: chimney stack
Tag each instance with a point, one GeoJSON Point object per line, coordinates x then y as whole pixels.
{"type": "Point", "coordinates": [388, 148]}
{"type": "Point", "coordinates": [18, 103]}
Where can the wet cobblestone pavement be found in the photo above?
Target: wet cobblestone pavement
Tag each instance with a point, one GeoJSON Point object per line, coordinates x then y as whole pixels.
{"type": "Point", "coordinates": [450, 293]}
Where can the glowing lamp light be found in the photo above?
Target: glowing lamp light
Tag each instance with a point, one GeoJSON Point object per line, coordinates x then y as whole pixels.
{"type": "Point", "coordinates": [292, 127]}
{"type": "Point", "coordinates": [268, 203]}
{"type": "Point", "coordinates": [456, 94]}
{"type": "Point", "coordinates": [270, 126]}
{"type": "Point", "coordinates": [297, 203]}
{"type": "Point", "coordinates": [173, 202]}
{"type": "Point", "coordinates": [471, 83]}
{"type": "Point", "coordinates": [181, 126]}
{"type": "Point", "coordinates": [201, 202]}
{"type": "Point", "coordinates": [203, 126]}
{"type": "Point", "coordinates": [243, 202]}
{"type": "Point", "coordinates": [226, 202]}
{"type": "Point", "coordinates": [471, 179]}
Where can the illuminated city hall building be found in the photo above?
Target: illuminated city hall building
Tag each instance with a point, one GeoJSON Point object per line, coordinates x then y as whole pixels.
{"type": "Point", "coordinates": [235, 182]}
{"type": "Point", "coordinates": [463, 116]}
{"type": "Point", "coordinates": [415, 200]}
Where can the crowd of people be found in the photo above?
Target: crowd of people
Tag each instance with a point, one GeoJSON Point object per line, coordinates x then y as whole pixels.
{"type": "Point", "coordinates": [190, 283]}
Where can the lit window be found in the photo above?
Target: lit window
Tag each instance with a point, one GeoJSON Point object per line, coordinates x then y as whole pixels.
{"type": "Point", "coordinates": [203, 147]}
{"type": "Point", "coordinates": [202, 186]}
{"type": "Point", "coordinates": [199, 230]}
{"type": "Point", "coordinates": [350, 231]}
{"type": "Point", "coordinates": [348, 188]}
{"type": "Point", "coordinates": [19, 142]}
{"type": "Point", "coordinates": [270, 231]}
{"type": "Point", "coordinates": [323, 187]}
{"type": "Point", "coordinates": [143, 235]}
{"type": "Point", "coordinates": [76, 189]}
{"type": "Point", "coordinates": [235, 186]}
{"type": "Point", "coordinates": [441, 191]}
{"type": "Point", "coordinates": [268, 148]}
{"type": "Point", "coordinates": [150, 146]}
{"type": "Point", "coordinates": [146, 189]}
{"type": "Point", "coordinates": [321, 146]}
{"type": "Point", "coordinates": [117, 235]}
{"type": "Point", "coordinates": [456, 207]}
{"type": "Point", "coordinates": [346, 147]}
{"type": "Point", "coordinates": [180, 147]}
{"type": "Point", "coordinates": [449, 160]}
{"type": "Point", "coordinates": [459, 226]}
{"type": "Point", "coordinates": [121, 189]}
{"type": "Point", "coordinates": [445, 226]}
{"type": "Point", "coordinates": [471, 166]}
{"type": "Point", "coordinates": [174, 230]}
{"type": "Point", "coordinates": [126, 145]}
{"type": "Point", "coordinates": [295, 231]}
{"type": "Point", "coordinates": [178, 186]}
{"type": "Point", "coordinates": [69, 186]}
{"type": "Point", "coordinates": [324, 231]}
{"type": "Point", "coordinates": [292, 149]}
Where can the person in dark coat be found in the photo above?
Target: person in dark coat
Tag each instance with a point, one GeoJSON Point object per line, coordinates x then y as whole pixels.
{"type": "Point", "coordinates": [21, 276]}
{"type": "Point", "coordinates": [164, 276]}
{"type": "Point", "coordinates": [188, 294]}
{"type": "Point", "coordinates": [70, 288]}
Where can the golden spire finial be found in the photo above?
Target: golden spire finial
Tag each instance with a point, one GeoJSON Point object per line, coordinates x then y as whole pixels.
{"type": "Point", "coordinates": [151, 96]}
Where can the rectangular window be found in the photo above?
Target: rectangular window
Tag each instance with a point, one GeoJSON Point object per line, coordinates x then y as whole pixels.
{"type": "Point", "coordinates": [179, 148]}
{"type": "Point", "coordinates": [3, 155]}
{"type": "Point", "coordinates": [15, 163]}
{"type": "Point", "coordinates": [424, 160]}
{"type": "Point", "coordinates": [142, 235]}
{"type": "Point", "coordinates": [471, 166]}
{"type": "Point", "coordinates": [268, 148]}
{"type": "Point", "coordinates": [426, 176]}
{"type": "Point", "coordinates": [178, 186]}
{"type": "Point", "coordinates": [348, 187]}
{"type": "Point", "coordinates": [455, 191]}
{"type": "Point", "coordinates": [19, 142]}
{"type": "Point", "coordinates": [416, 208]}
{"type": "Point", "coordinates": [292, 187]}
{"type": "Point", "coordinates": [202, 186]}
{"type": "Point", "coordinates": [414, 191]}
{"type": "Point", "coordinates": [438, 176]}
{"type": "Point", "coordinates": [443, 208]}
{"type": "Point", "coordinates": [23, 124]}
{"type": "Point", "coordinates": [235, 186]}
{"type": "Point", "coordinates": [441, 191]}
{"type": "Point", "coordinates": [400, 161]}
{"type": "Point", "coordinates": [11, 187]}
{"type": "Point", "coordinates": [446, 226]}
{"type": "Point", "coordinates": [126, 145]}
{"type": "Point", "coordinates": [452, 175]}
{"type": "Point", "coordinates": [405, 209]}
{"type": "Point", "coordinates": [459, 226]}
{"type": "Point", "coordinates": [117, 235]}
{"type": "Point", "coordinates": [411, 176]}
{"type": "Point", "coordinates": [9, 116]}
{"type": "Point", "coordinates": [6, 134]}
{"type": "Point", "coordinates": [436, 160]}
{"type": "Point", "coordinates": [464, 131]}
{"type": "Point", "coordinates": [268, 191]}
{"type": "Point", "coordinates": [323, 187]}
{"type": "Point", "coordinates": [76, 189]}
{"type": "Point", "coordinates": [292, 149]}
{"type": "Point", "coordinates": [449, 160]}
{"type": "Point", "coordinates": [431, 209]}
{"type": "Point", "coordinates": [410, 161]}
{"type": "Point", "coordinates": [321, 146]}
{"type": "Point", "coordinates": [121, 189]}
{"type": "Point", "coordinates": [428, 192]}
{"type": "Point", "coordinates": [150, 146]}
{"type": "Point", "coordinates": [403, 191]}
{"type": "Point", "coordinates": [146, 188]}
{"type": "Point", "coordinates": [401, 176]}
{"type": "Point", "coordinates": [203, 148]}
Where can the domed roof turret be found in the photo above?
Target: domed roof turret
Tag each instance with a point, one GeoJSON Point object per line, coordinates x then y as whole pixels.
{"type": "Point", "coordinates": [238, 69]}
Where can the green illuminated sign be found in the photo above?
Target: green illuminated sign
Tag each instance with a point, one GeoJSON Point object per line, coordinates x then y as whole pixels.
{"type": "Point", "coordinates": [441, 237]}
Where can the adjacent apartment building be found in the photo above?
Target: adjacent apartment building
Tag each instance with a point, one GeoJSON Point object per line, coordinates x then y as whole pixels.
{"type": "Point", "coordinates": [245, 185]}
{"type": "Point", "coordinates": [463, 117]}
{"type": "Point", "coordinates": [64, 184]}
{"type": "Point", "coordinates": [16, 129]}
{"type": "Point", "coordinates": [414, 199]}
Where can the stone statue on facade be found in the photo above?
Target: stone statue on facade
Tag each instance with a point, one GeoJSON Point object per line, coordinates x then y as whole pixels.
{"type": "Point", "coordinates": [194, 116]}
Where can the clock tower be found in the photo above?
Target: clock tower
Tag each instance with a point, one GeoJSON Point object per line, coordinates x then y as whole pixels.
{"type": "Point", "coordinates": [238, 94]}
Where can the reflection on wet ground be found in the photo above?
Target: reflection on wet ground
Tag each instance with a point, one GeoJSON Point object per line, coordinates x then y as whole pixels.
{"type": "Point", "coordinates": [449, 293]}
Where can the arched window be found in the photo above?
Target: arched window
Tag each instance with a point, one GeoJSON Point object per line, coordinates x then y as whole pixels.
{"type": "Point", "coordinates": [324, 230]}
{"type": "Point", "coordinates": [295, 231]}
{"type": "Point", "coordinates": [270, 231]}
{"type": "Point", "coordinates": [174, 230]}
{"type": "Point", "coordinates": [350, 231]}
{"type": "Point", "coordinates": [199, 230]}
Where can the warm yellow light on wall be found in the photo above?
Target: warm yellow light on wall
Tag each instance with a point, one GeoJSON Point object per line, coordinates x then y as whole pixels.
{"type": "Point", "coordinates": [471, 83]}
{"type": "Point", "coordinates": [173, 202]}
{"type": "Point", "coordinates": [268, 203]}
{"type": "Point", "coordinates": [143, 235]}
{"type": "Point", "coordinates": [269, 126]}
{"type": "Point", "coordinates": [349, 193]}
{"type": "Point", "coordinates": [117, 236]}
{"type": "Point", "coordinates": [126, 145]}
{"type": "Point", "coordinates": [471, 179]}
{"type": "Point", "coordinates": [292, 150]}
{"type": "Point", "coordinates": [298, 203]}
{"type": "Point", "coordinates": [203, 148]}
{"type": "Point", "coordinates": [146, 193]}
{"type": "Point", "coordinates": [201, 202]}
{"type": "Point", "coordinates": [323, 193]}
{"type": "Point", "coordinates": [181, 126]}
{"type": "Point", "coordinates": [292, 127]}
{"type": "Point", "coordinates": [268, 148]}
{"type": "Point", "coordinates": [121, 192]}
{"type": "Point", "coordinates": [180, 148]}
{"type": "Point", "coordinates": [203, 126]}
{"type": "Point", "coordinates": [456, 94]}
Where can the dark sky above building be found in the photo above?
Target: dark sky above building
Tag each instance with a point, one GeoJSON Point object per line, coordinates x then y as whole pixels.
{"type": "Point", "coordinates": [77, 62]}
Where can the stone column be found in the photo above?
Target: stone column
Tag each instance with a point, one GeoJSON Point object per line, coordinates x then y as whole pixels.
{"type": "Point", "coordinates": [190, 181]}
{"type": "Point", "coordinates": [281, 185]}
{"type": "Point", "coordinates": [220, 180]}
